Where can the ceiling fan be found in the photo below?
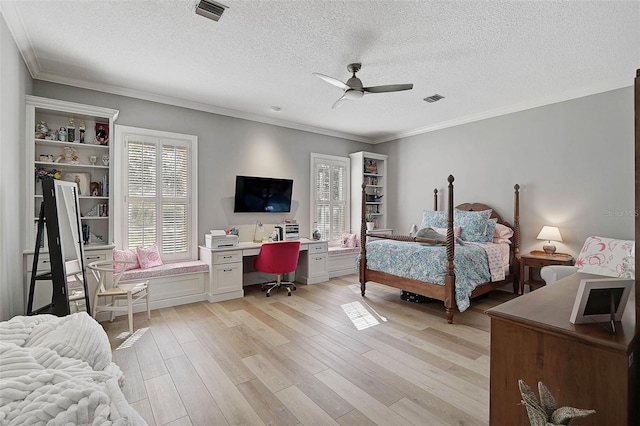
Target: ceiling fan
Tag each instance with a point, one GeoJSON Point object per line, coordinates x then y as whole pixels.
{"type": "Point", "coordinates": [353, 88]}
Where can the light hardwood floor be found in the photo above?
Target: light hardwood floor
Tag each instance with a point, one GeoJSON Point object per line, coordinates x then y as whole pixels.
{"type": "Point", "coordinates": [302, 360]}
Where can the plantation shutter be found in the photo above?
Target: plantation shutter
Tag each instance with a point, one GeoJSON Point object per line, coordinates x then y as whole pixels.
{"type": "Point", "coordinates": [330, 196]}
{"type": "Point", "coordinates": [158, 202]}
{"type": "Point", "coordinates": [142, 206]}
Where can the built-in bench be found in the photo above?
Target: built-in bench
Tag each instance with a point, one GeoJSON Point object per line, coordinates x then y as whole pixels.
{"type": "Point", "coordinates": [172, 284]}
{"type": "Point", "coordinates": [341, 260]}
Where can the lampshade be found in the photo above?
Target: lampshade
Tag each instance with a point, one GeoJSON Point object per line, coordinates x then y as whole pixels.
{"type": "Point", "coordinates": [550, 233]}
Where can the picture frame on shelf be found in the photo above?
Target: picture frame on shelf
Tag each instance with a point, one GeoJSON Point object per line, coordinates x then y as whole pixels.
{"type": "Point", "coordinates": [102, 133]}
{"type": "Point", "coordinates": [83, 180]}
{"type": "Point", "coordinates": [371, 166]}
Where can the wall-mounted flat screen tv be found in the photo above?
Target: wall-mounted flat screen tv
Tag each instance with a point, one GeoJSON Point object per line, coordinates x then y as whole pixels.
{"type": "Point", "coordinates": [262, 195]}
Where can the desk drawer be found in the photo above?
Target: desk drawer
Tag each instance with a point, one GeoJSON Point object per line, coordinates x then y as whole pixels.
{"type": "Point", "coordinates": [227, 277]}
{"type": "Point", "coordinates": [227, 257]}
{"type": "Point", "coordinates": [318, 248]}
{"type": "Point", "coordinates": [317, 264]}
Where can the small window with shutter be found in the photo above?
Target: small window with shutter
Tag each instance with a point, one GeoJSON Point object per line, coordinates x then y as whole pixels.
{"type": "Point", "coordinates": [159, 182]}
{"type": "Point", "coordinates": [330, 195]}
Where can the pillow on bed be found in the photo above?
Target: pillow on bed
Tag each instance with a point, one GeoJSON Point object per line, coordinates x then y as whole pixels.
{"type": "Point", "coordinates": [490, 229]}
{"type": "Point", "coordinates": [432, 234]}
{"type": "Point", "coordinates": [473, 223]}
{"type": "Point", "coordinates": [502, 231]}
{"type": "Point", "coordinates": [434, 219]}
{"type": "Point", "coordinates": [501, 241]}
{"type": "Point", "coordinates": [457, 230]}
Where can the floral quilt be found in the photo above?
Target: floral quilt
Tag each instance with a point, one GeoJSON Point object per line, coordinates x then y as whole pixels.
{"type": "Point", "coordinates": [429, 263]}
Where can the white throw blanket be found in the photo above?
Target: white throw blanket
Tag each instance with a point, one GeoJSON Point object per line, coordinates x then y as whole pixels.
{"type": "Point", "coordinates": [58, 371]}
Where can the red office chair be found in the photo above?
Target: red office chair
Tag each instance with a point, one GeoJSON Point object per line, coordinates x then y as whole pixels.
{"type": "Point", "coordinates": [278, 258]}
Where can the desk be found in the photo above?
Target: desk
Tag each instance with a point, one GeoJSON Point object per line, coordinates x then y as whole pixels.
{"type": "Point", "coordinates": [231, 268]}
{"type": "Point", "coordinates": [583, 365]}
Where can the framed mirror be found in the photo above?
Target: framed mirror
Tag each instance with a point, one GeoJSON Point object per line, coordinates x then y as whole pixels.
{"type": "Point", "coordinates": [66, 250]}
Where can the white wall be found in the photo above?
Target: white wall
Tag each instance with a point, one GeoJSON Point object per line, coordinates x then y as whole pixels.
{"type": "Point", "coordinates": [574, 162]}
{"type": "Point", "coordinates": [226, 147]}
{"type": "Point", "coordinates": [15, 81]}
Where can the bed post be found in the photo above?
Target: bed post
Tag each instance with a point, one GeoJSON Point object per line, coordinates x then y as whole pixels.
{"type": "Point", "coordinates": [450, 278]}
{"type": "Point", "coordinates": [516, 238]}
{"type": "Point", "coordinates": [435, 199]}
{"type": "Point", "coordinates": [363, 241]}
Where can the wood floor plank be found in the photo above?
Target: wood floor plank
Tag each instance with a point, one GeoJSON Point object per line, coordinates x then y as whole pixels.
{"type": "Point", "coordinates": [183, 421]}
{"type": "Point", "coordinates": [143, 407]}
{"type": "Point", "coordinates": [324, 397]}
{"type": "Point", "coordinates": [304, 408]}
{"type": "Point", "coordinates": [228, 359]}
{"type": "Point", "coordinates": [262, 329]}
{"type": "Point", "coordinates": [165, 339]}
{"type": "Point", "coordinates": [288, 320]}
{"type": "Point", "coordinates": [298, 355]}
{"type": "Point", "coordinates": [200, 405]}
{"type": "Point", "coordinates": [270, 409]}
{"type": "Point", "coordinates": [229, 399]}
{"type": "Point", "coordinates": [164, 399]}
{"type": "Point", "coordinates": [180, 330]}
{"type": "Point", "coordinates": [416, 414]}
{"type": "Point", "coordinates": [360, 399]}
{"type": "Point", "coordinates": [127, 360]}
{"type": "Point", "coordinates": [149, 357]}
{"type": "Point", "coordinates": [453, 396]}
{"type": "Point", "coordinates": [355, 418]}
{"type": "Point", "coordinates": [267, 373]}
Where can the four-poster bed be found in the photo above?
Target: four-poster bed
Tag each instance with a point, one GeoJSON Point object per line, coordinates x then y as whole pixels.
{"type": "Point", "coordinates": [446, 290]}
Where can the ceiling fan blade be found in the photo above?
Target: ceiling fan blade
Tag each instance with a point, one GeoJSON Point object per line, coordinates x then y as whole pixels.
{"type": "Point", "coordinates": [339, 102]}
{"type": "Point", "coordinates": [332, 81]}
{"type": "Point", "coordinates": [388, 88]}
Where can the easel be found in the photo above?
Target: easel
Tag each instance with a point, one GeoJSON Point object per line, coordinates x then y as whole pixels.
{"type": "Point", "coordinates": [56, 202]}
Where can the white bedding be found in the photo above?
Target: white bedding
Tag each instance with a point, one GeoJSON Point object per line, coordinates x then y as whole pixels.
{"type": "Point", "coordinates": [58, 371]}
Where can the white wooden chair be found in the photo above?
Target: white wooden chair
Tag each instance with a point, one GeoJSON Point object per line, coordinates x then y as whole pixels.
{"type": "Point", "coordinates": [130, 292]}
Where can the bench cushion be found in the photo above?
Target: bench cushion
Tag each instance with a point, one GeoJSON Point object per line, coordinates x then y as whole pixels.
{"type": "Point", "coordinates": [167, 269]}
{"type": "Point", "coordinates": [337, 251]}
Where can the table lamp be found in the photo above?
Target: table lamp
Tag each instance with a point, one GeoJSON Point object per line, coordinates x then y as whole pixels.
{"type": "Point", "coordinates": [549, 233]}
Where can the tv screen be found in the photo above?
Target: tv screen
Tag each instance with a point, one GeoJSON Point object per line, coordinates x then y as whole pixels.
{"type": "Point", "coordinates": [262, 195]}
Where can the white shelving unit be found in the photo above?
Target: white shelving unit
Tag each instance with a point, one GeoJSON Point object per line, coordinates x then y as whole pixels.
{"type": "Point", "coordinates": [93, 177]}
{"type": "Point", "coordinates": [370, 168]}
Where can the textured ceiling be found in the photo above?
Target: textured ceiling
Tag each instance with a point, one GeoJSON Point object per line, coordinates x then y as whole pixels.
{"type": "Point", "coordinates": [486, 57]}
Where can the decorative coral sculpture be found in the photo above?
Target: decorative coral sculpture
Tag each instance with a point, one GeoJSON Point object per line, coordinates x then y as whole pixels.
{"type": "Point", "coordinates": [545, 412]}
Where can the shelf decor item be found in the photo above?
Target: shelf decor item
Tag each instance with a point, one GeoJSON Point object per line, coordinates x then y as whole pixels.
{"type": "Point", "coordinates": [44, 174]}
{"type": "Point", "coordinates": [102, 133]}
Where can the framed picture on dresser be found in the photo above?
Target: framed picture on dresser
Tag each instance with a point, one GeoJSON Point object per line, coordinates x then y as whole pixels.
{"type": "Point", "coordinates": [601, 300]}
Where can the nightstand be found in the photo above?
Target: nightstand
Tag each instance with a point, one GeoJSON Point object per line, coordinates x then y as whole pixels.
{"type": "Point", "coordinates": [537, 259]}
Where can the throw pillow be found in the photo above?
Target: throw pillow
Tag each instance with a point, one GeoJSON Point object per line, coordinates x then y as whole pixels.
{"type": "Point", "coordinates": [350, 240]}
{"type": "Point", "coordinates": [473, 223]}
{"type": "Point", "coordinates": [434, 219]}
{"type": "Point", "coordinates": [149, 256]}
{"type": "Point", "coordinates": [490, 229]}
{"type": "Point", "coordinates": [604, 256]}
{"type": "Point", "coordinates": [502, 231]}
{"type": "Point", "coordinates": [128, 255]}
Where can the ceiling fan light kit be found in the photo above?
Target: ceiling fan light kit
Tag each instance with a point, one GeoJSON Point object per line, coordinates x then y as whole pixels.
{"type": "Point", "coordinates": [353, 88]}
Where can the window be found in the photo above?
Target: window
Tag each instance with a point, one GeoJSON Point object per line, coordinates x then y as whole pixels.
{"type": "Point", "coordinates": [330, 195]}
{"type": "Point", "coordinates": [157, 176]}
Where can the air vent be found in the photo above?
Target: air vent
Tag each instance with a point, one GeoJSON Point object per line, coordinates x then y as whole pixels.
{"type": "Point", "coordinates": [210, 9]}
{"type": "Point", "coordinates": [433, 98]}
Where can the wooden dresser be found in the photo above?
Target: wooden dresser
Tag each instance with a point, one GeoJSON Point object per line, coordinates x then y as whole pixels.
{"type": "Point", "coordinates": [583, 366]}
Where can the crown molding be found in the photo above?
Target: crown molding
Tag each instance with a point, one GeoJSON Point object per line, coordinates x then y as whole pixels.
{"type": "Point", "coordinates": [557, 98]}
